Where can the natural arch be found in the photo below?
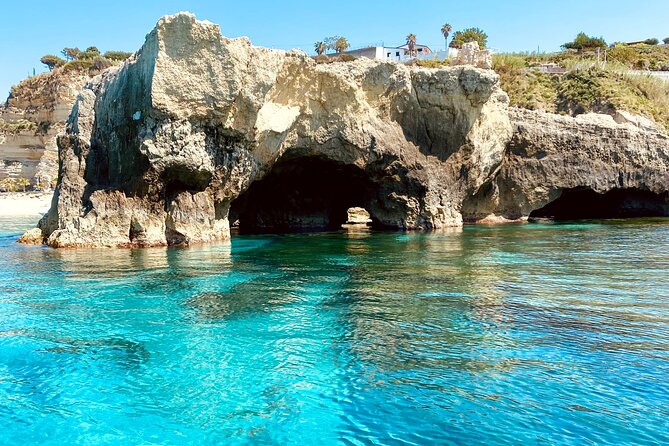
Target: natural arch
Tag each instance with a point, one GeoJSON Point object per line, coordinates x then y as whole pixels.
{"type": "Point", "coordinates": [585, 203]}
{"type": "Point", "coordinates": [304, 193]}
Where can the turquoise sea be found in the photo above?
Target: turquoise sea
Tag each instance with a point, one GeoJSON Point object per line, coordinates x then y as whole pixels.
{"type": "Point", "coordinates": [529, 334]}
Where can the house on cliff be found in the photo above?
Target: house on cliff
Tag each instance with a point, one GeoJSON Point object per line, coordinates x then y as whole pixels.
{"type": "Point", "coordinates": [397, 53]}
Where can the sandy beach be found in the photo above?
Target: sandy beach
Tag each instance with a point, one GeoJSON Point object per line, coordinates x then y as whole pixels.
{"type": "Point", "coordinates": [24, 204]}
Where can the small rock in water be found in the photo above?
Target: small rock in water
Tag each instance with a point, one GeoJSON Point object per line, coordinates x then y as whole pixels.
{"type": "Point", "coordinates": [358, 216]}
{"type": "Point", "coordinates": [32, 237]}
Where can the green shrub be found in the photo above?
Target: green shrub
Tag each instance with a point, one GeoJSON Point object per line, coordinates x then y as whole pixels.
{"type": "Point", "coordinates": [347, 58]}
{"type": "Point", "coordinates": [52, 61]}
{"type": "Point", "coordinates": [583, 41]}
{"type": "Point", "coordinates": [470, 35]}
{"type": "Point", "coordinates": [70, 53]}
{"type": "Point", "coordinates": [624, 54]}
{"type": "Point", "coordinates": [652, 41]}
{"type": "Point", "coordinates": [117, 56]}
{"type": "Point", "coordinates": [78, 65]}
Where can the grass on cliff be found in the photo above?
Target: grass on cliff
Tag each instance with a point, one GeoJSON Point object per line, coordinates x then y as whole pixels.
{"type": "Point", "coordinates": [585, 87]}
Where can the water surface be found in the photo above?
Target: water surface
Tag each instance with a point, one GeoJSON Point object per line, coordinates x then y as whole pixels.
{"type": "Point", "coordinates": [538, 334]}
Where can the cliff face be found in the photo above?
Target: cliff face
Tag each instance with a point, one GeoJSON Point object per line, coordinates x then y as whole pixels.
{"type": "Point", "coordinates": [591, 165]}
{"type": "Point", "coordinates": [197, 131]}
{"type": "Point", "coordinates": [31, 118]}
{"type": "Point", "coordinates": [197, 126]}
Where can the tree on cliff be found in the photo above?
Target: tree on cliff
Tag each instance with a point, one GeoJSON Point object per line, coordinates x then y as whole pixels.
{"type": "Point", "coordinates": [666, 40]}
{"type": "Point", "coordinates": [320, 47]}
{"type": "Point", "coordinates": [330, 43]}
{"type": "Point", "coordinates": [52, 61]}
{"type": "Point", "coordinates": [583, 41]}
{"type": "Point", "coordinates": [341, 45]}
{"type": "Point", "coordinates": [118, 56]}
{"type": "Point", "coordinates": [70, 53]}
{"type": "Point", "coordinates": [91, 53]}
{"type": "Point", "coordinates": [469, 35]}
{"type": "Point", "coordinates": [446, 30]}
{"type": "Point", "coordinates": [411, 43]}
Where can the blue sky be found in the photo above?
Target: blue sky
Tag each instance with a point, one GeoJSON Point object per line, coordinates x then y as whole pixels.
{"type": "Point", "coordinates": [30, 29]}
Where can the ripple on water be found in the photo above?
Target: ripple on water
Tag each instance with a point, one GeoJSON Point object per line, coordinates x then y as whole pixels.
{"type": "Point", "coordinates": [553, 334]}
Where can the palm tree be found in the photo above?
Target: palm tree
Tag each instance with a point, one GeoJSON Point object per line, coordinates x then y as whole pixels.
{"type": "Point", "coordinates": [23, 182]}
{"type": "Point", "coordinates": [411, 43]}
{"type": "Point", "coordinates": [446, 30]}
{"type": "Point", "coordinates": [320, 47]}
{"type": "Point", "coordinates": [341, 45]}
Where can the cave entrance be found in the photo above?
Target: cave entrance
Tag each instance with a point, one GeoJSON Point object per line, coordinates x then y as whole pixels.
{"type": "Point", "coordinates": [303, 194]}
{"type": "Point", "coordinates": [584, 203]}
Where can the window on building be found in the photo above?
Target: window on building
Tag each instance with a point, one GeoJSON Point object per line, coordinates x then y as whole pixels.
{"type": "Point", "coordinates": [388, 55]}
{"type": "Point", "coordinates": [397, 54]}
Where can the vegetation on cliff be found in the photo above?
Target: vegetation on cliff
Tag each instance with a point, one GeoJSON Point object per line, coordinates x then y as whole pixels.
{"type": "Point", "coordinates": [91, 59]}
{"type": "Point", "coordinates": [586, 86]}
{"type": "Point", "coordinates": [469, 35]}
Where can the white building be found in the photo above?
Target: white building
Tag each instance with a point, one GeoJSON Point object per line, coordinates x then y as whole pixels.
{"type": "Point", "coordinates": [399, 54]}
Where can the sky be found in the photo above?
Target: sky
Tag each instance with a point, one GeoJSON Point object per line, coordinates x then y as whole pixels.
{"type": "Point", "coordinates": [31, 29]}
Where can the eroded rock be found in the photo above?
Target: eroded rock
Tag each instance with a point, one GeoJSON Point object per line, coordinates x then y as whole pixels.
{"type": "Point", "coordinates": [551, 155]}
{"type": "Point", "coordinates": [161, 150]}
{"type": "Point", "coordinates": [197, 130]}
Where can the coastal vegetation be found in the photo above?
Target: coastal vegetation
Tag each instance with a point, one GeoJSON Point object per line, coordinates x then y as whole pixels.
{"type": "Point", "coordinates": [341, 45]}
{"type": "Point", "coordinates": [20, 126]}
{"type": "Point", "coordinates": [91, 59]}
{"type": "Point", "coordinates": [469, 35]}
{"type": "Point", "coordinates": [445, 31]}
{"type": "Point", "coordinates": [583, 41]}
{"type": "Point", "coordinates": [336, 44]}
{"type": "Point", "coordinates": [585, 86]}
{"type": "Point", "coordinates": [14, 185]}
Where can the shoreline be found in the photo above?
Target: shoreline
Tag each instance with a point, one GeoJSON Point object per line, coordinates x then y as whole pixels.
{"type": "Point", "coordinates": [24, 204]}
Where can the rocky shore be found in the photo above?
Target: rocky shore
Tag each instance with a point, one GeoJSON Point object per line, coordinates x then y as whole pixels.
{"type": "Point", "coordinates": [197, 130]}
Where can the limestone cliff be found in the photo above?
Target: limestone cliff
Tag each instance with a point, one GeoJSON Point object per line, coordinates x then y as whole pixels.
{"type": "Point", "coordinates": [30, 119]}
{"type": "Point", "coordinates": [197, 126]}
{"type": "Point", "coordinates": [590, 165]}
{"type": "Point", "coordinates": [196, 131]}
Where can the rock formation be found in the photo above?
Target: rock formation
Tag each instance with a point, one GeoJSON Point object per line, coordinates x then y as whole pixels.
{"type": "Point", "coordinates": [601, 167]}
{"type": "Point", "coordinates": [33, 115]}
{"type": "Point", "coordinates": [197, 127]}
{"type": "Point", "coordinates": [471, 54]}
{"type": "Point", "coordinates": [197, 130]}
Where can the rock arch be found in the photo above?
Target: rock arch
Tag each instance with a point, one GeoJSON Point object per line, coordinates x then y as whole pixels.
{"type": "Point", "coordinates": [306, 193]}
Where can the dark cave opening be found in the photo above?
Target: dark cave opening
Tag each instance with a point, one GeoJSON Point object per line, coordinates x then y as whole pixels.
{"type": "Point", "coordinates": [584, 203]}
{"type": "Point", "coordinates": [303, 194]}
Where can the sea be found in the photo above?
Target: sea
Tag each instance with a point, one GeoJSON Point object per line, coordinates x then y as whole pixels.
{"type": "Point", "coordinates": [547, 334]}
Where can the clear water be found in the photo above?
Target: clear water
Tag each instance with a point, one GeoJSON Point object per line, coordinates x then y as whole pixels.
{"type": "Point", "coordinates": [535, 334]}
